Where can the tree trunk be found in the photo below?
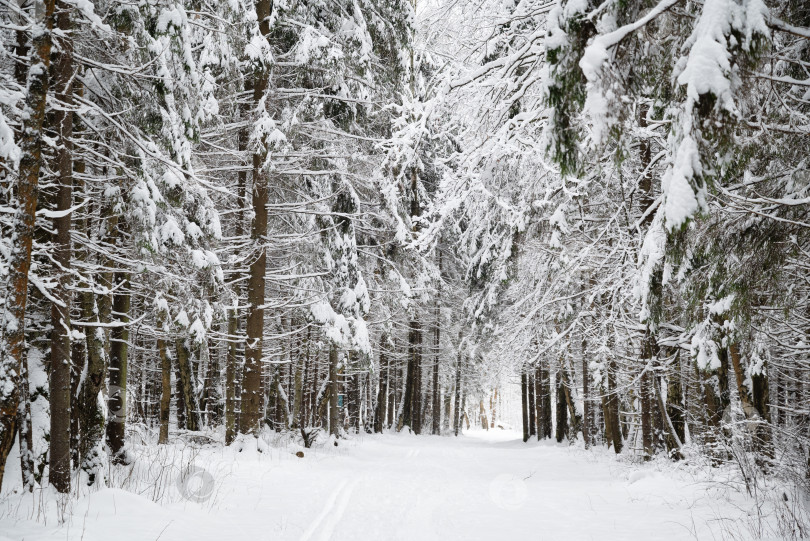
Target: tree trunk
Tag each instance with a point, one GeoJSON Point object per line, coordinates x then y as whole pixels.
{"type": "Point", "coordinates": [645, 396]}
{"type": "Point", "coordinates": [413, 386]}
{"type": "Point", "coordinates": [90, 416]}
{"type": "Point", "coordinates": [493, 407]}
{"type": "Point", "coordinates": [532, 405]}
{"type": "Point", "coordinates": [334, 390]}
{"type": "Point", "coordinates": [252, 392]}
{"type": "Point", "coordinates": [543, 402]}
{"type": "Point", "coordinates": [611, 400]}
{"type": "Point", "coordinates": [587, 436]}
{"type": "Point", "coordinates": [562, 409]}
{"type": "Point", "coordinates": [117, 391]}
{"type": "Point", "coordinates": [574, 417]}
{"type": "Point", "coordinates": [714, 383]}
{"type": "Point", "coordinates": [524, 403]}
{"type": "Point", "coordinates": [354, 402]}
{"type": "Point", "coordinates": [673, 440]}
{"type": "Point", "coordinates": [437, 396]}
{"type": "Point", "coordinates": [675, 407]}
{"type": "Point", "coordinates": [59, 454]}
{"type": "Point", "coordinates": [754, 401]}
{"type": "Point", "coordinates": [30, 142]}
{"type": "Point", "coordinates": [457, 413]}
{"type": "Point", "coordinates": [165, 391]}
{"type": "Point", "coordinates": [382, 394]}
{"type": "Point", "coordinates": [298, 384]}
{"type": "Point", "coordinates": [231, 367]}
{"type": "Point", "coordinates": [25, 428]}
{"type": "Point", "coordinates": [186, 385]}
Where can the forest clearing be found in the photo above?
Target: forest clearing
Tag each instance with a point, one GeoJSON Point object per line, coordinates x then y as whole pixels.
{"type": "Point", "coordinates": [486, 485]}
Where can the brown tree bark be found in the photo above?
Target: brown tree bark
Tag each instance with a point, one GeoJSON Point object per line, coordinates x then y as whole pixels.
{"type": "Point", "coordinates": [493, 407]}
{"type": "Point", "coordinates": [413, 380]}
{"type": "Point", "coordinates": [415, 347]}
{"type": "Point", "coordinates": [30, 143]}
{"type": "Point", "coordinates": [250, 418]}
{"type": "Point", "coordinates": [382, 394]}
{"type": "Point", "coordinates": [574, 417]}
{"type": "Point", "coordinates": [437, 395]}
{"type": "Point", "coordinates": [89, 415]}
{"type": "Point", "coordinates": [611, 410]}
{"type": "Point", "coordinates": [645, 397]}
{"type": "Point", "coordinates": [587, 437]}
{"type": "Point", "coordinates": [334, 390]}
{"type": "Point", "coordinates": [119, 347]}
{"type": "Point", "coordinates": [165, 390]}
{"type": "Point", "coordinates": [483, 415]}
{"type": "Point", "coordinates": [532, 403]}
{"type": "Point", "coordinates": [186, 384]}
{"type": "Point", "coordinates": [457, 413]}
{"type": "Point", "coordinates": [754, 401]}
{"type": "Point", "coordinates": [562, 409]}
{"type": "Point", "coordinates": [393, 390]}
{"type": "Point", "coordinates": [302, 357]}
{"type": "Point", "coordinates": [524, 403]}
{"type": "Point", "coordinates": [543, 402]}
{"type": "Point", "coordinates": [59, 455]}
{"type": "Point", "coordinates": [24, 423]}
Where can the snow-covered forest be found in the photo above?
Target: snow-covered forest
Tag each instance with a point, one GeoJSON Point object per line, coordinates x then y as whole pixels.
{"type": "Point", "coordinates": [322, 240]}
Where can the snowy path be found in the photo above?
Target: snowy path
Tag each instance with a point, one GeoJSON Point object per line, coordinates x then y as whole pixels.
{"type": "Point", "coordinates": [482, 486]}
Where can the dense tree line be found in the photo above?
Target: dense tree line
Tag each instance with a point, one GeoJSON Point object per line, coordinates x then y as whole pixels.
{"type": "Point", "coordinates": [636, 176]}
{"type": "Point", "coordinates": [220, 218]}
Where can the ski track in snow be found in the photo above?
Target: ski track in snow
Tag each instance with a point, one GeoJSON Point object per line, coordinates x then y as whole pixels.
{"type": "Point", "coordinates": [330, 519]}
{"type": "Point", "coordinates": [484, 485]}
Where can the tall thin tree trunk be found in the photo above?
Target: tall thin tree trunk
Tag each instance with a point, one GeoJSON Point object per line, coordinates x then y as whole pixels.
{"type": "Point", "coordinates": [252, 391]}
{"type": "Point", "coordinates": [524, 403]}
{"type": "Point", "coordinates": [298, 384]}
{"type": "Point", "coordinates": [231, 365]}
{"type": "Point", "coordinates": [413, 388]}
{"type": "Point", "coordinates": [754, 400]}
{"type": "Point", "coordinates": [586, 403]}
{"type": "Point", "coordinates": [59, 454]}
{"type": "Point", "coordinates": [25, 428]}
{"type": "Point", "coordinates": [493, 407]}
{"type": "Point", "coordinates": [88, 412]}
{"type": "Point", "coordinates": [437, 397]}
{"type": "Point", "coordinates": [382, 394]}
{"type": "Point", "coordinates": [714, 383]}
{"type": "Point", "coordinates": [165, 390]}
{"type": "Point", "coordinates": [334, 390]}
{"type": "Point", "coordinates": [562, 408]}
{"type": "Point", "coordinates": [532, 404]}
{"type": "Point", "coordinates": [119, 346]}
{"type": "Point", "coordinates": [187, 384]}
{"type": "Point", "coordinates": [393, 389]}
{"type": "Point", "coordinates": [457, 413]}
{"type": "Point", "coordinates": [12, 352]}
{"type": "Point", "coordinates": [483, 414]}
{"type": "Point", "coordinates": [612, 409]}
{"type": "Point", "coordinates": [675, 406]}
{"type": "Point", "coordinates": [645, 397]}
{"type": "Point", "coordinates": [24, 423]}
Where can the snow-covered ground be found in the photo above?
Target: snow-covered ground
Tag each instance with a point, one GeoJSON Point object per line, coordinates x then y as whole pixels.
{"type": "Point", "coordinates": [484, 485]}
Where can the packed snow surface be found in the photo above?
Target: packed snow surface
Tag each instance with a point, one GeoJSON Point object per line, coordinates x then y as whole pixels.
{"type": "Point", "coordinates": [484, 485]}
